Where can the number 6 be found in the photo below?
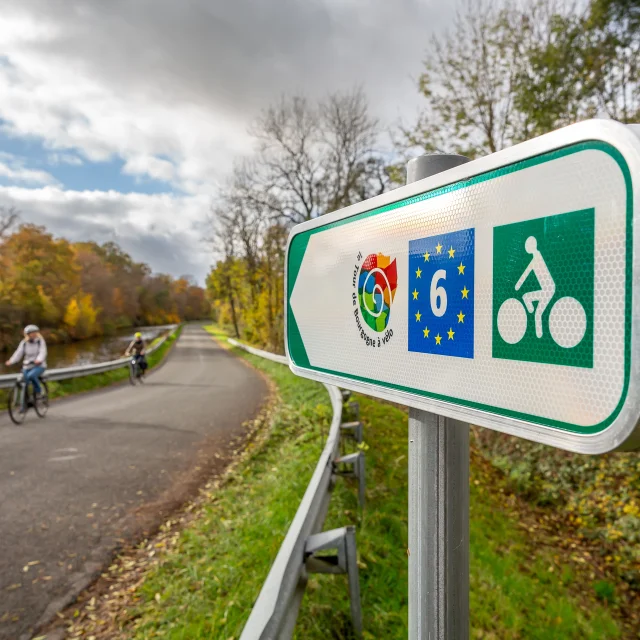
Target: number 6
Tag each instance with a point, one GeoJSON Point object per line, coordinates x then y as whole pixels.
{"type": "Point", "coordinates": [438, 294]}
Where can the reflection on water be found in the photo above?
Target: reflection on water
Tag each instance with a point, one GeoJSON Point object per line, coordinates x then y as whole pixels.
{"type": "Point", "coordinates": [92, 350]}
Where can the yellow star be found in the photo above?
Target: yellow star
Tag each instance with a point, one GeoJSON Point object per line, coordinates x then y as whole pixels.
{"type": "Point", "coordinates": [465, 292]}
{"type": "Point", "coordinates": [461, 269]}
{"type": "Point", "coordinates": [426, 256]}
{"type": "Point", "coordinates": [451, 252]}
{"type": "Point", "coordinates": [438, 339]}
{"type": "Point", "coordinates": [439, 248]}
{"type": "Point", "coordinates": [418, 316]}
{"type": "Point", "coordinates": [425, 332]}
{"type": "Point", "coordinates": [415, 294]}
{"type": "Point", "coordinates": [451, 333]}
{"type": "Point", "coordinates": [418, 272]}
{"type": "Point", "coordinates": [461, 317]}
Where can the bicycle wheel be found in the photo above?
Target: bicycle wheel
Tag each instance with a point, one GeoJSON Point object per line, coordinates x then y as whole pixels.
{"type": "Point", "coordinates": [41, 404]}
{"type": "Point", "coordinates": [15, 404]}
{"type": "Point", "coordinates": [132, 374]}
{"type": "Point", "coordinates": [512, 321]}
{"type": "Point", "coordinates": [567, 322]}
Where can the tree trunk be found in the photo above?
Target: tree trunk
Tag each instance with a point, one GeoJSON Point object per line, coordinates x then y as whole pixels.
{"type": "Point", "coordinates": [233, 315]}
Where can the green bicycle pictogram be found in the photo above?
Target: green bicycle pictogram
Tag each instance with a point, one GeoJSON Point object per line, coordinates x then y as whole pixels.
{"type": "Point", "coordinates": [567, 318]}
{"type": "Point", "coordinates": [549, 262]}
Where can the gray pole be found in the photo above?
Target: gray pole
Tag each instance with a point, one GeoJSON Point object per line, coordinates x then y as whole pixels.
{"type": "Point", "coordinates": [438, 501]}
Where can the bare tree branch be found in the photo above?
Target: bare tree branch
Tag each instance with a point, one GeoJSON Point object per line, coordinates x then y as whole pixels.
{"type": "Point", "coordinates": [8, 217]}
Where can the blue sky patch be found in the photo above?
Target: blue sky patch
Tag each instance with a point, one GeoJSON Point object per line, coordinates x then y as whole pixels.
{"type": "Point", "coordinates": [74, 172]}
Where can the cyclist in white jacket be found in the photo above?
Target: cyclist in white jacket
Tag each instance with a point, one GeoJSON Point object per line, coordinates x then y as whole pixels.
{"type": "Point", "coordinates": [33, 353]}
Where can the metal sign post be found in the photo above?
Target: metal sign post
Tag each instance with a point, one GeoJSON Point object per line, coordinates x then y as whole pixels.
{"type": "Point", "coordinates": [438, 502]}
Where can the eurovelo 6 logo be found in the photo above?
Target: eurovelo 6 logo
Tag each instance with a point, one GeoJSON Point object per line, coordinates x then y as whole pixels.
{"type": "Point", "coordinates": [374, 282]}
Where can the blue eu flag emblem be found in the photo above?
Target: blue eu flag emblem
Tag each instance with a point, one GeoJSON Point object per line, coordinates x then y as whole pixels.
{"type": "Point", "coordinates": [441, 290]}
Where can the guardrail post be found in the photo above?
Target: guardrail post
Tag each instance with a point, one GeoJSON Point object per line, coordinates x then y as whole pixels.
{"type": "Point", "coordinates": [345, 561]}
{"type": "Point", "coordinates": [356, 461]}
{"type": "Point", "coordinates": [352, 430]}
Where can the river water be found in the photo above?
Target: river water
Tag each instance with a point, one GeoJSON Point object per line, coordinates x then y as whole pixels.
{"type": "Point", "coordinates": [93, 350]}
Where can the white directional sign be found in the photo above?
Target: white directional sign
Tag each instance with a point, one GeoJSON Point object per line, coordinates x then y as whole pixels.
{"type": "Point", "coordinates": [503, 292]}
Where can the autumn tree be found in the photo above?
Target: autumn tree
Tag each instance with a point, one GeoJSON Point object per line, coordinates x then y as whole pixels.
{"type": "Point", "coordinates": [80, 318]}
{"type": "Point", "coordinates": [612, 29]}
{"type": "Point", "coordinates": [313, 158]}
{"type": "Point", "coordinates": [79, 290]}
{"type": "Point", "coordinates": [226, 278]}
{"type": "Point", "coordinates": [468, 85]}
{"type": "Point", "coordinates": [510, 71]}
{"type": "Point", "coordinates": [553, 78]}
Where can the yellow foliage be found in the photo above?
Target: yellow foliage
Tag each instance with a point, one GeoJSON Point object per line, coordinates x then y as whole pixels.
{"type": "Point", "coordinates": [50, 312]}
{"type": "Point", "coordinates": [81, 316]}
{"type": "Point", "coordinates": [72, 314]}
{"type": "Point", "coordinates": [84, 288]}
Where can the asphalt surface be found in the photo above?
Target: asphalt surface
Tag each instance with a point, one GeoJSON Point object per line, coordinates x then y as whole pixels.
{"type": "Point", "coordinates": [102, 467]}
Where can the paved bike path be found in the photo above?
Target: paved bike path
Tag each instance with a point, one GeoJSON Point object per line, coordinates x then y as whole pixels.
{"type": "Point", "coordinates": [74, 484]}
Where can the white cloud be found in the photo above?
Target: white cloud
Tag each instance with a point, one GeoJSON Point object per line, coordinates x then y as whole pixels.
{"type": "Point", "coordinates": [148, 81]}
{"type": "Point", "coordinates": [52, 99]}
{"type": "Point", "coordinates": [57, 158]}
{"type": "Point", "coordinates": [171, 88]}
{"type": "Point", "coordinates": [14, 169]}
{"type": "Point", "coordinates": [150, 166]}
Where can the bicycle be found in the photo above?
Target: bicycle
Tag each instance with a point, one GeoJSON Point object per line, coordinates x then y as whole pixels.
{"type": "Point", "coordinates": [19, 403]}
{"type": "Point", "coordinates": [567, 321]}
{"type": "Point", "coordinates": [136, 374]}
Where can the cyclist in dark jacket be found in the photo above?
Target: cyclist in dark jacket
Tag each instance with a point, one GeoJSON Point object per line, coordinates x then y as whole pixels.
{"type": "Point", "coordinates": [137, 348]}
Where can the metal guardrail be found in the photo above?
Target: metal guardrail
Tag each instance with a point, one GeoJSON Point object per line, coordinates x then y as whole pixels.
{"type": "Point", "coordinates": [66, 373]}
{"type": "Point", "coordinates": [276, 609]}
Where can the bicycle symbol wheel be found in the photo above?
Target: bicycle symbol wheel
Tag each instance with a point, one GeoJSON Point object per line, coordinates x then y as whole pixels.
{"type": "Point", "coordinates": [567, 321]}
{"type": "Point", "coordinates": [512, 321]}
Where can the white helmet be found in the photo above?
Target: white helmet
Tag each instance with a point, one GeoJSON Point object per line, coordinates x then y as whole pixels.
{"type": "Point", "coordinates": [30, 328]}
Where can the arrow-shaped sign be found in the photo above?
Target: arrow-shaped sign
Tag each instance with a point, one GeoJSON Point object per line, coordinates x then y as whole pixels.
{"type": "Point", "coordinates": [500, 292]}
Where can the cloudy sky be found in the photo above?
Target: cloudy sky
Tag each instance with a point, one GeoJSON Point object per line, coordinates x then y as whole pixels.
{"type": "Point", "coordinates": [119, 118]}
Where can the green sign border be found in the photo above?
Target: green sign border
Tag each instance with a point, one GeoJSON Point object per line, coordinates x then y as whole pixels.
{"type": "Point", "coordinates": [299, 243]}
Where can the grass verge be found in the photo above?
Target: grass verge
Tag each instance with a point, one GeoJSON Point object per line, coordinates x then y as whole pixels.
{"type": "Point", "coordinates": [201, 579]}
{"type": "Point", "coordinates": [600, 494]}
{"type": "Point", "coordinates": [521, 585]}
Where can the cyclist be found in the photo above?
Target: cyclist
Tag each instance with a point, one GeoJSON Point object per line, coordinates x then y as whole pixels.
{"type": "Point", "coordinates": [33, 352]}
{"type": "Point", "coordinates": [137, 347]}
{"type": "Point", "coordinates": [547, 286]}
